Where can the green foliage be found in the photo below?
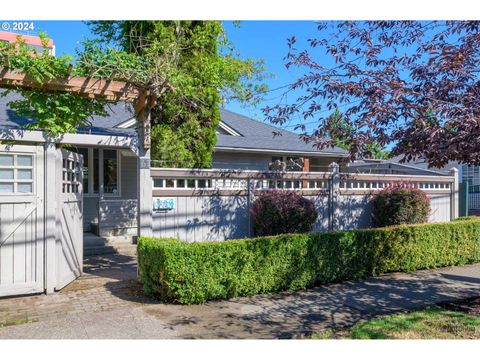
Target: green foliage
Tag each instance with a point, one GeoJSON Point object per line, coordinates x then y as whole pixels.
{"type": "Point", "coordinates": [399, 205]}
{"type": "Point", "coordinates": [172, 146]}
{"type": "Point", "coordinates": [463, 218]}
{"type": "Point", "coordinates": [196, 272]}
{"type": "Point", "coordinates": [431, 323]}
{"type": "Point", "coordinates": [191, 67]}
{"type": "Point", "coordinates": [95, 59]}
{"type": "Point", "coordinates": [340, 131]}
{"type": "Point", "coordinates": [54, 112]}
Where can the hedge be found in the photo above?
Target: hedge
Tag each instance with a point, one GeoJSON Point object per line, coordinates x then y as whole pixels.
{"type": "Point", "coordinates": [189, 273]}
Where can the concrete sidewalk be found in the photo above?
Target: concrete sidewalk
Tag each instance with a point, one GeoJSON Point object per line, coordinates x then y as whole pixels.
{"type": "Point", "coordinates": [116, 309]}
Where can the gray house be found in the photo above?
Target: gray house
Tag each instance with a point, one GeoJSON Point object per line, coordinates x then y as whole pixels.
{"type": "Point", "coordinates": [100, 180]}
{"type": "Point", "coordinates": [109, 145]}
{"type": "Point", "coordinates": [244, 143]}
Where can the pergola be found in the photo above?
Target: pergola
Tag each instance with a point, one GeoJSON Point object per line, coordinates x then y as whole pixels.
{"type": "Point", "coordinates": [109, 90]}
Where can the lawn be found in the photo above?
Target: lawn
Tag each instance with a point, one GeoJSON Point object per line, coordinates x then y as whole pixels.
{"type": "Point", "coordinates": [431, 323]}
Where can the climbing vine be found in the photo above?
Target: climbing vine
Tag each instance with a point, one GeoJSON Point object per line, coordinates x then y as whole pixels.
{"type": "Point", "coordinates": [189, 66]}
{"type": "Point", "coordinates": [54, 112]}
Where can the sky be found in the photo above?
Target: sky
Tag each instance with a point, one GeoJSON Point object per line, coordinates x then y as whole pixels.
{"type": "Point", "coordinates": [265, 40]}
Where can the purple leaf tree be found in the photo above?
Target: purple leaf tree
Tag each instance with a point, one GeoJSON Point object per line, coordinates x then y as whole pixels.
{"type": "Point", "coordinates": [412, 85]}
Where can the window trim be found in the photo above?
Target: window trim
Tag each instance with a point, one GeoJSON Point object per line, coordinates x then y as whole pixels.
{"type": "Point", "coordinates": [91, 172]}
{"type": "Point", "coordinates": [15, 180]}
{"type": "Point", "coordinates": [228, 129]}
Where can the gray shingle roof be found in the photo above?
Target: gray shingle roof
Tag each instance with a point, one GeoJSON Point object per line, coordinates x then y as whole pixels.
{"type": "Point", "coordinates": [255, 134]}
{"type": "Point", "coordinates": [258, 135]}
{"type": "Point", "coordinates": [99, 125]}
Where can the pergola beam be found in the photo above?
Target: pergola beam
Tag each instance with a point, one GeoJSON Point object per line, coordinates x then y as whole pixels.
{"type": "Point", "coordinates": [98, 88]}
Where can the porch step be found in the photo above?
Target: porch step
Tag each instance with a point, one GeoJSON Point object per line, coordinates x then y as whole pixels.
{"type": "Point", "coordinates": [93, 240]}
{"type": "Point", "coordinates": [98, 250]}
{"type": "Point", "coordinates": [96, 245]}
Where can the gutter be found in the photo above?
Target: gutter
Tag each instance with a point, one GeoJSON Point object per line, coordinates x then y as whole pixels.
{"type": "Point", "coordinates": [271, 151]}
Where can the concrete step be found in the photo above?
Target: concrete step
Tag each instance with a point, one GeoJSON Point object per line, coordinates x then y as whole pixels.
{"type": "Point", "coordinates": [96, 245]}
{"type": "Point", "coordinates": [98, 250]}
{"type": "Point", "coordinates": [94, 241]}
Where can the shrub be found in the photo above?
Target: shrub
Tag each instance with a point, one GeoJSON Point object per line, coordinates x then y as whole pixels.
{"type": "Point", "coordinates": [282, 212]}
{"type": "Point", "coordinates": [463, 218]}
{"type": "Point", "coordinates": [400, 205]}
{"type": "Point", "coordinates": [196, 272]}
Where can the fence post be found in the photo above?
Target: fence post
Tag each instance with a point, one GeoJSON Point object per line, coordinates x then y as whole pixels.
{"type": "Point", "coordinates": [464, 198]}
{"type": "Point", "coordinates": [52, 189]}
{"type": "Point", "coordinates": [454, 205]}
{"type": "Point", "coordinates": [334, 194]}
{"type": "Point", "coordinates": [144, 178]}
{"type": "Point", "coordinates": [250, 199]}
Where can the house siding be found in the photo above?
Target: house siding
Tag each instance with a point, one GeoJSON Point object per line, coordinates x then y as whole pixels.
{"type": "Point", "coordinates": [233, 160]}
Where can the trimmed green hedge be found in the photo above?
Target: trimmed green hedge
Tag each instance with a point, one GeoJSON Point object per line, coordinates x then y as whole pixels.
{"type": "Point", "coordinates": [196, 272]}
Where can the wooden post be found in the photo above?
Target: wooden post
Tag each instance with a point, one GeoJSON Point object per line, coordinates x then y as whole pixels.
{"type": "Point", "coordinates": [334, 196]}
{"type": "Point", "coordinates": [454, 205]}
{"type": "Point", "coordinates": [52, 187]}
{"type": "Point", "coordinates": [306, 168]}
{"type": "Point", "coordinates": [144, 181]}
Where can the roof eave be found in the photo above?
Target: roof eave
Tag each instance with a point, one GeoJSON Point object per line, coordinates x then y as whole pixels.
{"type": "Point", "coordinates": [279, 151]}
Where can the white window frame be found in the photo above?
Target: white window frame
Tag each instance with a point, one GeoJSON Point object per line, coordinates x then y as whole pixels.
{"type": "Point", "coordinates": [15, 180]}
{"type": "Point", "coordinates": [91, 171]}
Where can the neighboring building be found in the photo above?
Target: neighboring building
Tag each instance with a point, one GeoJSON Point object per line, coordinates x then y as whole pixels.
{"type": "Point", "coordinates": [467, 174]}
{"type": "Point", "coordinates": [32, 41]}
{"type": "Point", "coordinates": [372, 166]}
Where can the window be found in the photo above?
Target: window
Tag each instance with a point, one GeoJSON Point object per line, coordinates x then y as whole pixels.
{"type": "Point", "coordinates": [96, 162]}
{"type": "Point", "coordinates": [84, 152]}
{"type": "Point", "coordinates": [96, 165]}
{"type": "Point", "coordinates": [110, 172]}
{"type": "Point", "coordinates": [16, 174]}
{"type": "Point", "coordinates": [71, 176]}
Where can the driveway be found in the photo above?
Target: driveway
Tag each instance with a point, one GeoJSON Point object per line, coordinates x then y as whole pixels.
{"type": "Point", "coordinates": [108, 303]}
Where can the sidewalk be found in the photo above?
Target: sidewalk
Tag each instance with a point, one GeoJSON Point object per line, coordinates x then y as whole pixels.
{"type": "Point", "coordinates": [114, 308]}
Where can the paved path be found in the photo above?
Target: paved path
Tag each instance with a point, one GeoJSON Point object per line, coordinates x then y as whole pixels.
{"type": "Point", "coordinates": [107, 303]}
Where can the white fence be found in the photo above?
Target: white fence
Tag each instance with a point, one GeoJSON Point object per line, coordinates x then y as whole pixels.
{"type": "Point", "coordinates": [213, 205]}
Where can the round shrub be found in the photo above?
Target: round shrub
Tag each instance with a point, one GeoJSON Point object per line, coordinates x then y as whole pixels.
{"type": "Point", "coordinates": [282, 212]}
{"type": "Point", "coordinates": [398, 205]}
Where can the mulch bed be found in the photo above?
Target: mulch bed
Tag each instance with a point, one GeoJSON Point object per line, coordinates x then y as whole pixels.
{"type": "Point", "coordinates": [470, 306]}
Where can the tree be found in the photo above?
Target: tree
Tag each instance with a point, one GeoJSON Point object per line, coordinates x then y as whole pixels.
{"type": "Point", "coordinates": [411, 84]}
{"type": "Point", "coordinates": [191, 67]}
{"type": "Point", "coordinates": [339, 127]}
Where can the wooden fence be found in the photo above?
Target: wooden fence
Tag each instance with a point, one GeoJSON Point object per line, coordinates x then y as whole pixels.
{"type": "Point", "coordinates": [213, 205]}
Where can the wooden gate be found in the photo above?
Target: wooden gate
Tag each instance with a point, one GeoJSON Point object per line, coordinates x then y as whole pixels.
{"type": "Point", "coordinates": [21, 220]}
{"type": "Point", "coordinates": [69, 226]}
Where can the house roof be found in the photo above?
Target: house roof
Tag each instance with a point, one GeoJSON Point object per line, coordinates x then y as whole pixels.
{"type": "Point", "coordinates": [249, 135]}
{"type": "Point", "coordinates": [366, 166]}
{"type": "Point", "coordinates": [260, 136]}
{"type": "Point", "coordinates": [98, 125]}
